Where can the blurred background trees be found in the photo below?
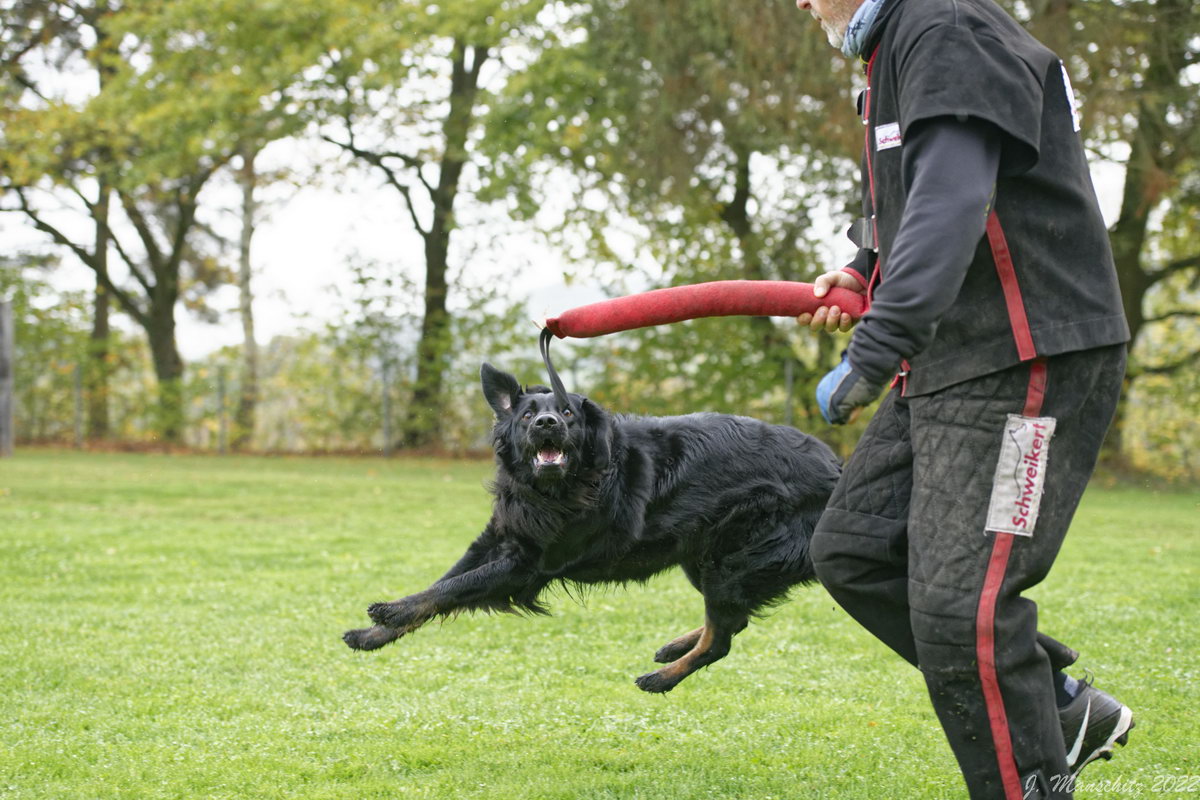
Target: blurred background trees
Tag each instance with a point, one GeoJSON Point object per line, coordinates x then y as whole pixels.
{"type": "Point", "coordinates": [646, 144]}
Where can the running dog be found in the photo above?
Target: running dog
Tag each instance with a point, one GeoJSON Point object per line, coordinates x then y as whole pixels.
{"type": "Point", "coordinates": [582, 496]}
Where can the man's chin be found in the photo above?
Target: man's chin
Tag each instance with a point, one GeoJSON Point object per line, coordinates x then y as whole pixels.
{"type": "Point", "coordinates": [835, 36]}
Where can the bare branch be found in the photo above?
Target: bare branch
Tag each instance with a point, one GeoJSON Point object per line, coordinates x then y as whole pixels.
{"type": "Point", "coordinates": [142, 226]}
{"type": "Point", "coordinates": [1172, 267]}
{"type": "Point", "coordinates": [1182, 312]}
{"type": "Point", "coordinates": [88, 204]}
{"type": "Point", "coordinates": [45, 227]}
{"type": "Point", "coordinates": [408, 161]}
{"type": "Point", "coordinates": [127, 302]}
{"type": "Point", "coordinates": [134, 268]}
{"type": "Point", "coordinates": [376, 159]}
{"type": "Point", "coordinates": [1171, 366]}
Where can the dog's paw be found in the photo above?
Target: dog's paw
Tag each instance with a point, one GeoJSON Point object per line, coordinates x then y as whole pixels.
{"type": "Point", "coordinates": [400, 615]}
{"type": "Point", "coordinates": [671, 651]}
{"type": "Point", "coordinates": [655, 682]}
{"type": "Point", "coordinates": [369, 638]}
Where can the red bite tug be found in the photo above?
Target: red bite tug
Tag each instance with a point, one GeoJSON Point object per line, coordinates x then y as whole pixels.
{"type": "Point", "coordinates": [713, 299]}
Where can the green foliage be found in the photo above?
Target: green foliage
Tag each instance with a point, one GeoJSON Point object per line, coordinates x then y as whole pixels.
{"type": "Point", "coordinates": [173, 624]}
{"type": "Point", "coordinates": [655, 143]}
{"type": "Point", "coordinates": [51, 337]}
{"type": "Point", "coordinates": [1161, 434]}
{"type": "Point", "coordinates": [176, 90]}
{"type": "Point", "coordinates": [723, 133]}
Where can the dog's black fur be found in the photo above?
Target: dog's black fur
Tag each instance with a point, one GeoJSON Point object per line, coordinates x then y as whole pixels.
{"type": "Point", "coordinates": [584, 497]}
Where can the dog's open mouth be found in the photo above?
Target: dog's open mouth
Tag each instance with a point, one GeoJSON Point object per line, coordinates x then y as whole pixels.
{"type": "Point", "coordinates": [550, 457]}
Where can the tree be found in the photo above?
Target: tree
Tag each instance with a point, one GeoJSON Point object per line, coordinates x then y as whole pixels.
{"type": "Point", "coordinates": [182, 84]}
{"type": "Point", "coordinates": [725, 131]}
{"type": "Point", "coordinates": [244, 417]}
{"type": "Point", "coordinates": [1137, 67]}
{"type": "Point", "coordinates": [40, 26]}
{"type": "Point", "coordinates": [404, 98]}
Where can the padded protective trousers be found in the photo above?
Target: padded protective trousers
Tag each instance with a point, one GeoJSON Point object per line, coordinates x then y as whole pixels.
{"type": "Point", "coordinates": [904, 547]}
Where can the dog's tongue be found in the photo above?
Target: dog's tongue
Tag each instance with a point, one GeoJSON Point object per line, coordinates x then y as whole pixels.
{"type": "Point", "coordinates": [549, 455]}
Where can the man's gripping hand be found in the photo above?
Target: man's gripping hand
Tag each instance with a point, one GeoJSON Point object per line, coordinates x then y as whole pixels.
{"type": "Point", "coordinates": [843, 391]}
{"type": "Point", "coordinates": [832, 318]}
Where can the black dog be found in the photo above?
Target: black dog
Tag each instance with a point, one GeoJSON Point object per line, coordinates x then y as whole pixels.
{"type": "Point", "coordinates": [585, 497]}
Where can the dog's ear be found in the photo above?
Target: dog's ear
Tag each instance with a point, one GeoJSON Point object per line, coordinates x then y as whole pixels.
{"type": "Point", "coordinates": [500, 389]}
{"type": "Point", "coordinates": [599, 426]}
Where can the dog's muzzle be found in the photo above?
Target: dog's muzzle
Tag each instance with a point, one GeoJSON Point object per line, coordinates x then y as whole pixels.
{"type": "Point", "coordinates": [550, 457]}
{"type": "Point", "coordinates": [547, 434]}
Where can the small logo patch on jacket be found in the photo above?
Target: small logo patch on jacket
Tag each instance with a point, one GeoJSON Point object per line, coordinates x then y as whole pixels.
{"type": "Point", "coordinates": [887, 136]}
{"type": "Point", "coordinates": [1020, 475]}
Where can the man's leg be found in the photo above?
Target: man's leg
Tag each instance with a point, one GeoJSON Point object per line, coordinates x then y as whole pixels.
{"type": "Point", "coordinates": [989, 676]}
{"type": "Point", "coordinates": [860, 547]}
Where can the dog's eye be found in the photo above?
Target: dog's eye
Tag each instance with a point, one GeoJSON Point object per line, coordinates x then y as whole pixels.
{"type": "Point", "coordinates": [566, 412]}
{"type": "Point", "coordinates": [527, 415]}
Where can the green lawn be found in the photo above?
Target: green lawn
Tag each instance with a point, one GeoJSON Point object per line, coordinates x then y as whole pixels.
{"type": "Point", "coordinates": [171, 629]}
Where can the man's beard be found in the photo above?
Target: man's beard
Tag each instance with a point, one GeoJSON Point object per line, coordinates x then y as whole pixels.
{"type": "Point", "coordinates": [835, 29]}
{"type": "Point", "coordinates": [835, 35]}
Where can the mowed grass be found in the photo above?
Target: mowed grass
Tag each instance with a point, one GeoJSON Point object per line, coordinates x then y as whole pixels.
{"type": "Point", "coordinates": [171, 629]}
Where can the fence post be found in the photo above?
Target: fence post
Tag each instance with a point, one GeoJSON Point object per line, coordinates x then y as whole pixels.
{"type": "Point", "coordinates": [78, 406]}
{"type": "Point", "coordinates": [6, 378]}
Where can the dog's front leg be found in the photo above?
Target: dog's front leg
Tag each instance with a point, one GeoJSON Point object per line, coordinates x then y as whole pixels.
{"type": "Point", "coordinates": [371, 638]}
{"type": "Point", "coordinates": [488, 586]}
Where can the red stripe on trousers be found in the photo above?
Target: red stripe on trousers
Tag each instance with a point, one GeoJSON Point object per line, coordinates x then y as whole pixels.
{"type": "Point", "coordinates": [985, 620]}
{"type": "Point", "coordinates": [985, 653]}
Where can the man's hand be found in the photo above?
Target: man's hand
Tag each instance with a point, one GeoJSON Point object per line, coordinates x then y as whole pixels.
{"type": "Point", "coordinates": [831, 318]}
{"type": "Point", "coordinates": [842, 392]}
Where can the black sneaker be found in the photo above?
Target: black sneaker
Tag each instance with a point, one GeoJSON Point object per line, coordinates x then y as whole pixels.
{"type": "Point", "coordinates": [1092, 723]}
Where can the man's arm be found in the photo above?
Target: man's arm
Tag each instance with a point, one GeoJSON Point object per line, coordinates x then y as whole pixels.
{"type": "Point", "coordinates": [950, 168]}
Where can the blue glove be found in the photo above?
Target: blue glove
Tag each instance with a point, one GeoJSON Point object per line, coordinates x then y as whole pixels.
{"type": "Point", "coordinates": [843, 390]}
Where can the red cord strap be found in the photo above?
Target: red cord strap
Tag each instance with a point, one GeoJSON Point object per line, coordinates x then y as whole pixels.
{"type": "Point", "coordinates": [713, 299]}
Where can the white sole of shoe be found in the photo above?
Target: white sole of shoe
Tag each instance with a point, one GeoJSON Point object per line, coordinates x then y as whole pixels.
{"type": "Point", "coordinates": [1124, 723]}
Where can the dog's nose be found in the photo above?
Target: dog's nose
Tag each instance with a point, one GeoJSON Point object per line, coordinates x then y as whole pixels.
{"type": "Point", "coordinates": [545, 421]}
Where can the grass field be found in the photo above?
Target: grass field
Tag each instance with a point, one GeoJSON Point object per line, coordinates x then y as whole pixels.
{"type": "Point", "coordinates": [171, 629]}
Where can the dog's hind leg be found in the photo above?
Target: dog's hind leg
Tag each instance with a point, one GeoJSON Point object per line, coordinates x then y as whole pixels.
{"type": "Point", "coordinates": [711, 645]}
{"type": "Point", "coordinates": [672, 650]}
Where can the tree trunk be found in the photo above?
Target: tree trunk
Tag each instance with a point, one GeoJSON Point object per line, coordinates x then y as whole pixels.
{"type": "Point", "coordinates": [7, 365]}
{"type": "Point", "coordinates": [96, 371]}
{"type": "Point", "coordinates": [736, 214]}
{"type": "Point", "coordinates": [422, 425]}
{"type": "Point", "coordinates": [244, 417]}
{"type": "Point", "coordinates": [1145, 182]}
{"type": "Point", "coordinates": [168, 369]}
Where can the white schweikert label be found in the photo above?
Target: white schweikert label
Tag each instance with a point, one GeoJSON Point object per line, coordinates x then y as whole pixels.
{"type": "Point", "coordinates": [1020, 475]}
{"type": "Point", "coordinates": [887, 136]}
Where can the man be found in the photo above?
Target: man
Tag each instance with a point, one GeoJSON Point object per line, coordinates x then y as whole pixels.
{"type": "Point", "coordinates": [994, 314]}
